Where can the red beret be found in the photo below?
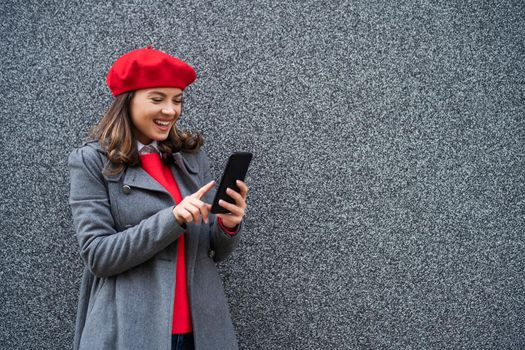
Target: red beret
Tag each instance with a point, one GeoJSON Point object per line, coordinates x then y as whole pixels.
{"type": "Point", "coordinates": [147, 68]}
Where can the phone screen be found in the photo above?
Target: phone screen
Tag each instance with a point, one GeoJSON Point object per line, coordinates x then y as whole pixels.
{"type": "Point", "coordinates": [236, 169]}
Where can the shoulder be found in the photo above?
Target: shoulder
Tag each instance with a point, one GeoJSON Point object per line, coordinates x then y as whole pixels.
{"type": "Point", "coordinates": [89, 155]}
{"type": "Point", "coordinates": [196, 160]}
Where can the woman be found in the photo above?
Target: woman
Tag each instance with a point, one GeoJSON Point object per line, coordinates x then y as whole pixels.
{"type": "Point", "coordinates": [140, 198]}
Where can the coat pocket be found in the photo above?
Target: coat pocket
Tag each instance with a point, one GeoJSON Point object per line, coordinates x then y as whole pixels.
{"type": "Point", "coordinates": [99, 329]}
{"type": "Point", "coordinates": [97, 288]}
{"type": "Point", "coordinates": [132, 310]}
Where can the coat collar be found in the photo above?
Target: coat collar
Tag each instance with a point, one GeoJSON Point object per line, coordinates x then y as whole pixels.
{"type": "Point", "coordinates": [184, 169]}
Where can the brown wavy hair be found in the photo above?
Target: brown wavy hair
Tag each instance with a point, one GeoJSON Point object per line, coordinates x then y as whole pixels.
{"type": "Point", "coordinates": [115, 135]}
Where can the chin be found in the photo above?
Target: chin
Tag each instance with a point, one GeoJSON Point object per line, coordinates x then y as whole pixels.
{"type": "Point", "coordinates": [160, 137]}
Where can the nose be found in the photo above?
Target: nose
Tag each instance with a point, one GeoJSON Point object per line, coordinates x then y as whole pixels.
{"type": "Point", "coordinates": [169, 110]}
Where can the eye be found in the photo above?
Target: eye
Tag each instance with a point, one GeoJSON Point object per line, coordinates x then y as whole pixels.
{"type": "Point", "coordinates": [156, 100]}
{"type": "Point", "coordinates": [178, 101]}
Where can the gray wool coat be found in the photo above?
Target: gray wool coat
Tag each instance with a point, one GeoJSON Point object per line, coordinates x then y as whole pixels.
{"type": "Point", "coordinates": [128, 242]}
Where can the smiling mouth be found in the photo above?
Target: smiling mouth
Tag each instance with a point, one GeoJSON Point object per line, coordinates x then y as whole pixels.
{"type": "Point", "coordinates": [161, 122]}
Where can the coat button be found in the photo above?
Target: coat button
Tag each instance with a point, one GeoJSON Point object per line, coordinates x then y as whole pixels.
{"type": "Point", "coordinates": [211, 253]}
{"type": "Point", "coordinates": [126, 189]}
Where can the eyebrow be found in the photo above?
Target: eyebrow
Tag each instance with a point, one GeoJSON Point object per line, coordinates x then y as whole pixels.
{"type": "Point", "coordinates": [163, 94]}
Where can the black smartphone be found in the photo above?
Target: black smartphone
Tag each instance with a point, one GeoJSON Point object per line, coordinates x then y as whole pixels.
{"type": "Point", "coordinates": [236, 169]}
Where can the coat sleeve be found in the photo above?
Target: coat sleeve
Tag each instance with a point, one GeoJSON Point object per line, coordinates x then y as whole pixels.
{"type": "Point", "coordinates": [105, 251]}
{"type": "Point", "coordinates": [222, 241]}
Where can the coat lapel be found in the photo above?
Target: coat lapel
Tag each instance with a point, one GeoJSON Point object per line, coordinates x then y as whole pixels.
{"type": "Point", "coordinates": [184, 174]}
{"type": "Point", "coordinates": [186, 177]}
{"type": "Point", "coordinates": [183, 171]}
{"type": "Point", "coordinates": [137, 177]}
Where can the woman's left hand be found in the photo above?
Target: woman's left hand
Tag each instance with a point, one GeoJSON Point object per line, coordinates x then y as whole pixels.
{"type": "Point", "coordinates": [236, 210]}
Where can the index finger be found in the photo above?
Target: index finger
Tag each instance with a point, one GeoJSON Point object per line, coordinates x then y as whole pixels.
{"type": "Point", "coordinates": [202, 191]}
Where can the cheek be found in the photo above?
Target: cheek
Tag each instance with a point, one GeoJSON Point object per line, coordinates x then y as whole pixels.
{"type": "Point", "coordinates": [142, 115]}
{"type": "Point", "coordinates": [137, 120]}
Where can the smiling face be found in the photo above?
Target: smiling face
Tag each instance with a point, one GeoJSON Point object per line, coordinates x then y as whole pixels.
{"type": "Point", "coordinates": [154, 112]}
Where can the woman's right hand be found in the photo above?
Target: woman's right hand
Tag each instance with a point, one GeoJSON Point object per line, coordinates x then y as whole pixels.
{"type": "Point", "coordinates": [191, 208]}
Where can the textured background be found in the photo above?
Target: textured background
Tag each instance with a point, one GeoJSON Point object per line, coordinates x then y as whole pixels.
{"type": "Point", "coordinates": [387, 189]}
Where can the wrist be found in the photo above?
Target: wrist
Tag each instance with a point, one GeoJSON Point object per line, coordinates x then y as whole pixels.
{"type": "Point", "coordinates": [180, 220]}
{"type": "Point", "coordinates": [227, 226]}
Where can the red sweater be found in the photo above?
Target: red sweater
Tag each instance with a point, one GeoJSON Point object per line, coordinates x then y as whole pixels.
{"type": "Point", "coordinates": [152, 164]}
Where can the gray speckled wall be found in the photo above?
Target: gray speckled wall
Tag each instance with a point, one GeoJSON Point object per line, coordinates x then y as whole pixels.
{"type": "Point", "coordinates": [387, 189]}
